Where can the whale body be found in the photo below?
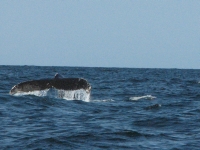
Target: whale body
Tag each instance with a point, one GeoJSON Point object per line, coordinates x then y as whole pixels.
{"type": "Point", "coordinates": [58, 82]}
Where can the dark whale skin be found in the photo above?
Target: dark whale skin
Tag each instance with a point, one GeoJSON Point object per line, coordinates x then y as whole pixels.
{"type": "Point", "coordinates": [57, 83]}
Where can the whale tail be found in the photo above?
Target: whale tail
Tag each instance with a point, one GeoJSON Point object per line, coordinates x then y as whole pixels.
{"type": "Point", "coordinates": [58, 82]}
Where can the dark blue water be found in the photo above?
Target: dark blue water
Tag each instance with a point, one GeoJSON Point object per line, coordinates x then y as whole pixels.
{"type": "Point", "coordinates": [128, 109]}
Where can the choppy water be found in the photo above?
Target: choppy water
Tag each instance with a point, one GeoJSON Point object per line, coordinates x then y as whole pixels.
{"type": "Point", "coordinates": [128, 109]}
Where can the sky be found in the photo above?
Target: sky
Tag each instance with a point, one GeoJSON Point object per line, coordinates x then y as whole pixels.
{"type": "Point", "coordinates": [101, 33]}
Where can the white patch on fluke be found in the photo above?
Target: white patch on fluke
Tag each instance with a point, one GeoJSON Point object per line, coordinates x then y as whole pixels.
{"type": "Point", "coordinates": [142, 97]}
{"type": "Point", "coordinates": [80, 94]}
{"type": "Point", "coordinates": [36, 93]}
{"type": "Point", "coordinates": [74, 95]}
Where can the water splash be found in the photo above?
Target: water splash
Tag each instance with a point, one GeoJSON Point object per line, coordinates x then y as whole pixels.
{"type": "Point", "coordinates": [142, 97]}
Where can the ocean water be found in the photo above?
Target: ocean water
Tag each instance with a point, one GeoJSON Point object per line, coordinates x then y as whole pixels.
{"type": "Point", "coordinates": [127, 109]}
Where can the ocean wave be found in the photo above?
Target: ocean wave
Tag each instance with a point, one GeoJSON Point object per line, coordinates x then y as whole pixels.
{"type": "Point", "coordinates": [142, 97]}
{"type": "Point", "coordinates": [155, 106]}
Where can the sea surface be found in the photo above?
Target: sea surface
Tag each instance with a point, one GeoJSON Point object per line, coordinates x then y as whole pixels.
{"type": "Point", "coordinates": [127, 109]}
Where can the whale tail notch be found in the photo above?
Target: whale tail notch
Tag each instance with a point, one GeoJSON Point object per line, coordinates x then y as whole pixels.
{"type": "Point", "coordinates": [58, 76]}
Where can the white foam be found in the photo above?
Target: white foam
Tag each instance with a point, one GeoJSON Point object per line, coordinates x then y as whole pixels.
{"type": "Point", "coordinates": [103, 100]}
{"type": "Point", "coordinates": [63, 94]}
{"type": "Point", "coordinates": [142, 97]}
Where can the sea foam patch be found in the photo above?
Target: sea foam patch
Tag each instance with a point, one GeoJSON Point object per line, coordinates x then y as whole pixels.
{"type": "Point", "coordinates": [136, 98]}
{"type": "Point", "coordinates": [104, 100]}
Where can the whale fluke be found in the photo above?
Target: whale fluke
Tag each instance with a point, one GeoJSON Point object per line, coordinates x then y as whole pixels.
{"type": "Point", "coordinates": [58, 82]}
